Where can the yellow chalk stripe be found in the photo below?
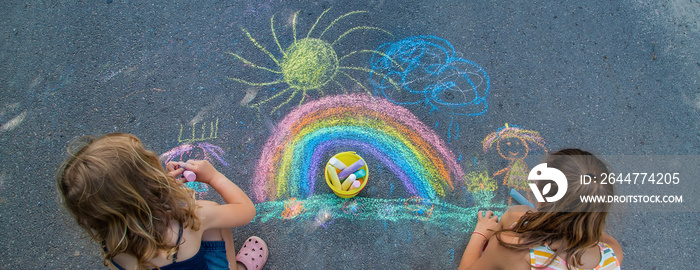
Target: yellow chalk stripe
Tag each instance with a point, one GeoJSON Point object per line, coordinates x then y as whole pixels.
{"type": "Point", "coordinates": [274, 34]}
{"type": "Point", "coordinates": [251, 63]}
{"type": "Point", "coordinates": [255, 42]}
{"type": "Point", "coordinates": [341, 17]}
{"type": "Point", "coordinates": [356, 81]}
{"type": "Point", "coordinates": [294, 25]}
{"type": "Point", "coordinates": [252, 83]}
{"type": "Point", "coordinates": [360, 28]}
{"type": "Point", "coordinates": [317, 20]}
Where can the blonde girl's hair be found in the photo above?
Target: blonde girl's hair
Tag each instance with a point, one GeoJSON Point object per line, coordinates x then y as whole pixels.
{"type": "Point", "coordinates": [577, 225]}
{"type": "Point", "coordinates": [120, 194]}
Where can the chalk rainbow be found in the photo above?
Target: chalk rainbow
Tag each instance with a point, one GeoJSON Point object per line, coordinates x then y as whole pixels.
{"type": "Point", "coordinates": [293, 158]}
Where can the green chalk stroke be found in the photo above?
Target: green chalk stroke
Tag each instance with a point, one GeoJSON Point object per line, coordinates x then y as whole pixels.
{"type": "Point", "coordinates": [438, 213]}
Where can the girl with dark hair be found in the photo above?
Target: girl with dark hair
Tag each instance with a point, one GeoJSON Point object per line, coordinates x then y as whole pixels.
{"type": "Point", "coordinates": [562, 235]}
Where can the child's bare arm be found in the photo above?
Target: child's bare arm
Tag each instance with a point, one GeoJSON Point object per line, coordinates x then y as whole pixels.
{"type": "Point", "coordinates": [486, 226]}
{"type": "Point", "coordinates": [238, 210]}
{"type": "Point", "coordinates": [472, 253]}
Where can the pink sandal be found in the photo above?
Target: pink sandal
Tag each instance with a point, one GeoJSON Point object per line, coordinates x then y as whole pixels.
{"type": "Point", "coordinates": [253, 254]}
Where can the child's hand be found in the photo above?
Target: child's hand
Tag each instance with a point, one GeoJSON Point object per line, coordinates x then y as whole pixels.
{"type": "Point", "coordinates": [203, 169]}
{"type": "Point", "coordinates": [487, 224]}
{"type": "Point", "coordinates": [174, 170]}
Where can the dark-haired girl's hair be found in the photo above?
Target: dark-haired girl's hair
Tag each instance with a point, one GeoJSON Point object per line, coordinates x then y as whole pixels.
{"type": "Point", "coordinates": [576, 225]}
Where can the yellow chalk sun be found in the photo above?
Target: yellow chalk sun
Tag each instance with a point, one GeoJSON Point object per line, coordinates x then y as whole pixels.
{"type": "Point", "coordinates": [308, 63]}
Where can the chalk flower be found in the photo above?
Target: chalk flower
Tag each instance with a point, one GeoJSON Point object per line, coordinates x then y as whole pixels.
{"type": "Point", "coordinates": [479, 181]}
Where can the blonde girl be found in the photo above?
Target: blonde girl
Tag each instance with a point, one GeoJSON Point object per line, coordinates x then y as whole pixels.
{"type": "Point", "coordinates": [142, 215]}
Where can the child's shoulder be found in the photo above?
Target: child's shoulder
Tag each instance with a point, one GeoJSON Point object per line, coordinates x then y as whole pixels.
{"type": "Point", "coordinates": [206, 203]}
{"type": "Point", "coordinates": [513, 214]}
{"type": "Point", "coordinates": [204, 207]}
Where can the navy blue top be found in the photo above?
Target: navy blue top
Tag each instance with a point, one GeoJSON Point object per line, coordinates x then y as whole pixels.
{"type": "Point", "coordinates": [196, 262]}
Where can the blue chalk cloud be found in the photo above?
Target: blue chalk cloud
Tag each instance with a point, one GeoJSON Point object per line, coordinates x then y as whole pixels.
{"type": "Point", "coordinates": [426, 70]}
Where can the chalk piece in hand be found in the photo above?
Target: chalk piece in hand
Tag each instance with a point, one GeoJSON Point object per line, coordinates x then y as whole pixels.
{"type": "Point", "coordinates": [520, 198]}
{"type": "Point", "coordinates": [189, 175]}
